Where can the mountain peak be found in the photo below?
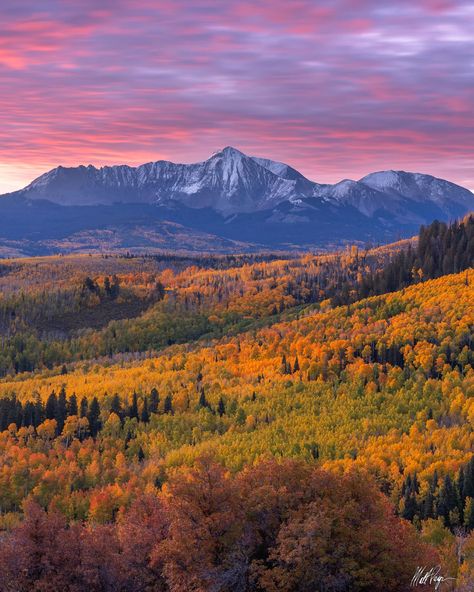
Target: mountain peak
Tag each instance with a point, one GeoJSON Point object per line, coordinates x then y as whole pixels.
{"type": "Point", "coordinates": [230, 182]}
{"type": "Point", "coordinates": [228, 152]}
{"type": "Point", "coordinates": [417, 186]}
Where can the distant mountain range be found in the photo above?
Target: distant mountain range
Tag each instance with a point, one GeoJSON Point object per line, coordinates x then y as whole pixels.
{"type": "Point", "coordinates": [229, 202]}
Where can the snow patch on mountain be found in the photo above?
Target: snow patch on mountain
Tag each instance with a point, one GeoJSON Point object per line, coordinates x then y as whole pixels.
{"type": "Point", "coordinates": [230, 182]}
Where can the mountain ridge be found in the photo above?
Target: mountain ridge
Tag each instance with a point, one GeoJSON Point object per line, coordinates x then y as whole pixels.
{"type": "Point", "coordinates": [232, 181]}
{"type": "Point", "coordinates": [250, 201]}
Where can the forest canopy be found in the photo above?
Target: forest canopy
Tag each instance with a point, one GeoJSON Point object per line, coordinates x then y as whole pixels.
{"type": "Point", "coordinates": [147, 403]}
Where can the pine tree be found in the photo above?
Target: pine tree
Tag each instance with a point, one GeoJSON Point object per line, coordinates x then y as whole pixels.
{"type": "Point", "coordinates": [415, 487]}
{"type": "Point", "coordinates": [84, 407]}
{"type": "Point", "coordinates": [296, 367]}
{"type": "Point", "coordinates": [116, 406]}
{"type": "Point", "coordinates": [39, 412]}
{"type": "Point", "coordinates": [72, 405]}
{"type": "Point", "coordinates": [93, 416]}
{"type": "Point", "coordinates": [145, 416]}
{"type": "Point", "coordinates": [168, 405]}
{"type": "Point", "coordinates": [285, 366]}
{"type": "Point", "coordinates": [61, 409]}
{"type": "Point", "coordinates": [154, 400]}
{"type": "Point", "coordinates": [221, 407]}
{"type": "Point", "coordinates": [427, 508]}
{"type": "Point", "coordinates": [28, 414]}
{"type": "Point", "coordinates": [202, 399]}
{"type": "Point", "coordinates": [133, 411]}
{"type": "Point", "coordinates": [141, 455]}
{"type": "Point", "coordinates": [469, 479]}
{"type": "Point", "coordinates": [51, 406]}
{"type": "Point", "coordinates": [448, 500]}
{"type": "Point", "coordinates": [410, 507]}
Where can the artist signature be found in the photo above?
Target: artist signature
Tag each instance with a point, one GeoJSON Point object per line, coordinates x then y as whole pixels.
{"type": "Point", "coordinates": [424, 576]}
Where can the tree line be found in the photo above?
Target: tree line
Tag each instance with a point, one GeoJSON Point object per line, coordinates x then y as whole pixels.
{"type": "Point", "coordinates": [60, 407]}
{"type": "Point", "coordinates": [441, 249]}
{"type": "Point", "coordinates": [450, 499]}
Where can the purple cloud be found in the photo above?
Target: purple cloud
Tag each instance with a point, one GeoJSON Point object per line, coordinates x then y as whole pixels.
{"type": "Point", "coordinates": [334, 88]}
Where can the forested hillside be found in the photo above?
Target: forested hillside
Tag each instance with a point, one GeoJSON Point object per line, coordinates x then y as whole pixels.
{"type": "Point", "coordinates": [145, 403]}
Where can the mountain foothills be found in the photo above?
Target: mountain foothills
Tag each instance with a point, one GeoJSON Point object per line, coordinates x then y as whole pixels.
{"type": "Point", "coordinates": [230, 202]}
{"type": "Point", "coordinates": [246, 423]}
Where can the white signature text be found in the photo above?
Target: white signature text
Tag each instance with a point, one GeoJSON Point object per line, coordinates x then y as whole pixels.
{"type": "Point", "coordinates": [424, 576]}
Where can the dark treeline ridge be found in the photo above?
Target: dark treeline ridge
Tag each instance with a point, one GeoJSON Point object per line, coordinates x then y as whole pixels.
{"type": "Point", "coordinates": [177, 262]}
{"type": "Point", "coordinates": [287, 526]}
{"type": "Point", "coordinates": [441, 249]}
{"type": "Point", "coordinates": [59, 407]}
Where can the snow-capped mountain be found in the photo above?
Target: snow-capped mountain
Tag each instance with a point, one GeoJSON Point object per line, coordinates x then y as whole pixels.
{"type": "Point", "coordinates": [231, 182]}
{"type": "Point", "coordinates": [228, 182]}
{"type": "Point", "coordinates": [230, 196]}
{"type": "Point", "coordinates": [405, 197]}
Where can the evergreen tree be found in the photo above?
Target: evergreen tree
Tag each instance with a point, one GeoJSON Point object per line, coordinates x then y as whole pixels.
{"type": "Point", "coordinates": [28, 414]}
{"type": "Point", "coordinates": [410, 507]}
{"type": "Point", "coordinates": [51, 406]}
{"type": "Point", "coordinates": [415, 487]}
{"type": "Point", "coordinates": [154, 400]}
{"type": "Point", "coordinates": [116, 406]}
{"type": "Point", "coordinates": [145, 416]}
{"type": "Point", "coordinates": [168, 404]}
{"type": "Point", "coordinates": [84, 407]}
{"type": "Point", "coordinates": [202, 399]}
{"type": "Point", "coordinates": [427, 508]}
{"type": "Point", "coordinates": [448, 500]}
{"type": "Point", "coordinates": [285, 366]}
{"type": "Point", "coordinates": [93, 415]}
{"type": "Point", "coordinates": [72, 408]}
{"type": "Point", "coordinates": [61, 409]}
{"type": "Point", "coordinates": [296, 367]}
{"type": "Point", "coordinates": [133, 411]}
{"type": "Point", "coordinates": [469, 479]}
{"type": "Point", "coordinates": [14, 412]}
{"type": "Point", "coordinates": [39, 412]}
{"type": "Point", "coordinates": [221, 407]}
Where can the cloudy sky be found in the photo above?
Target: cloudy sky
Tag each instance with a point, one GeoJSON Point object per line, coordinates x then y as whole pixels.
{"type": "Point", "coordinates": [337, 89]}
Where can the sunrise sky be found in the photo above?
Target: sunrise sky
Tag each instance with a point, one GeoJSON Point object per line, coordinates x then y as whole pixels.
{"type": "Point", "coordinates": [337, 89]}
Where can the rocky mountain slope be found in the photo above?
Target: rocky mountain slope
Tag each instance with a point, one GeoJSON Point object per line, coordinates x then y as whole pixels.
{"type": "Point", "coordinates": [233, 199]}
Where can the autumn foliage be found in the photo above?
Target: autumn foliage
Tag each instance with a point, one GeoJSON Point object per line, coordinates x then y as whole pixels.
{"type": "Point", "coordinates": [276, 526]}
{"type": "Point", "coordinates": [334, 392]}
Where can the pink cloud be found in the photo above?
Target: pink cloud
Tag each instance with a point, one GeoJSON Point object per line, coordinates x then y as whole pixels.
{"type": "Point", "coordinates": [336, 89]}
